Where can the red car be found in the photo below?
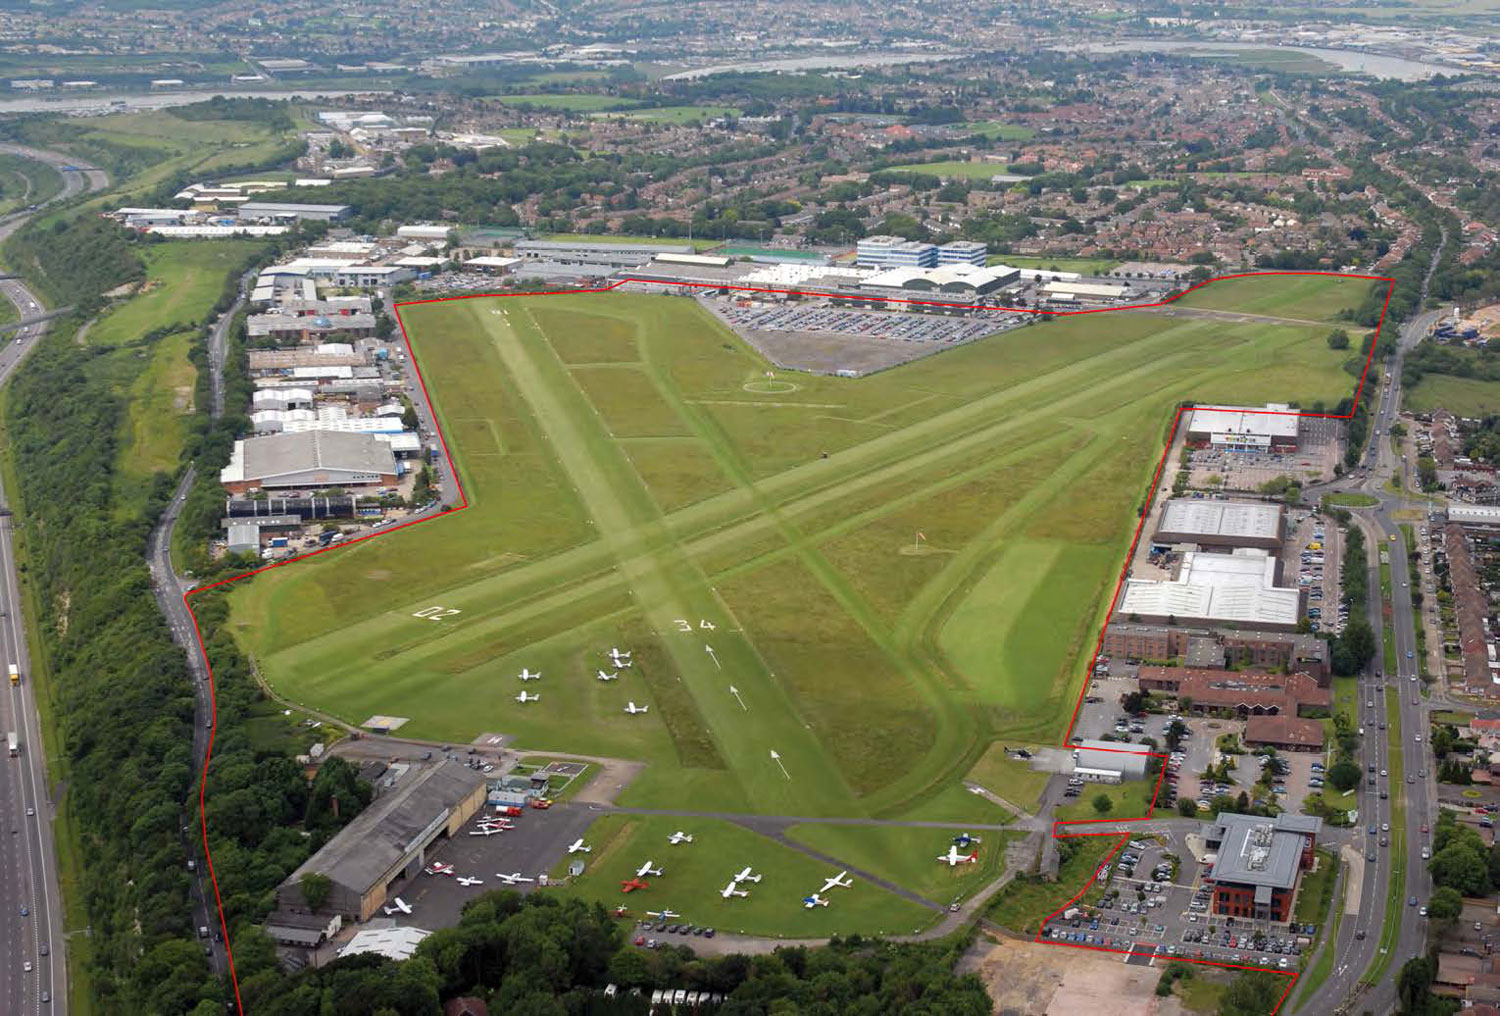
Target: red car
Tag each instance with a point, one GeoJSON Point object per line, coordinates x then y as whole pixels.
{"type": "Point", "coordinates": [1424, 827]}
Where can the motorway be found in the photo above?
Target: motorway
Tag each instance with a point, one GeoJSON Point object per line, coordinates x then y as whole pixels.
{"type": "Point", "coordinates": [28, 870]}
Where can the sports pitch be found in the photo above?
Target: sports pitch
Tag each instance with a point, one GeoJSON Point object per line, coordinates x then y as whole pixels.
{"type": "Point", "coordinates": [892, 572]}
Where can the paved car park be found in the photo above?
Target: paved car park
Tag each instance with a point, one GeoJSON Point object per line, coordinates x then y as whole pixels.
{"type": "Point", "coordinates": [1157, 907]}
{"type": "Point", "coordinates": [539, 838]}
{"type": "Point", "coordinates": [900, 325]}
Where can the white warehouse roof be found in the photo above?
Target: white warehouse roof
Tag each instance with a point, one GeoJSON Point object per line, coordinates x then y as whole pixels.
{"type": "Point", "coordinates": [392, 943]}
{"type": "Point", "coordinates": [1276, 420]}
{"type": "Point", "coordinates": [1250, 519]}
{"type": "Point", "coordinates": [1235, 587]}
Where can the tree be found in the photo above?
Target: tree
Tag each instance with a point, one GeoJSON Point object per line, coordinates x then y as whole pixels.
{"type": "Point", "coordinates": [1187, 807]}
{"type": "Point", "coordinates": [1461, 867]}
{"type": "Point", "coordinates": [1103, 803]}
{"type": "Point", "coordinates": [1338, 339]}
{"type": "Point", "coordinates": [1413, 982]}
{"type": "Point", "coordinates": [1445, 905]}
{"type": "Point", "coordinates": [1344, 775]}
{"type": "Point", "coordinates": [1251, 994]}
{"type": "Point", "coordinates": [315, 889]}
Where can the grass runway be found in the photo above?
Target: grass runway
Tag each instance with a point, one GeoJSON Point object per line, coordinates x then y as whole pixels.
{"type": "Point", "coordinates": [632, 482]}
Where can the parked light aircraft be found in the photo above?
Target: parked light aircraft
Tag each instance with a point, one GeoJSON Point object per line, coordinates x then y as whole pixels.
{"type": "Point", "coordinates": [745, 875]}
{"type": "Point", "coordinates": [514, 878]}
{"type": "Point", "coordinates": [486, 830]}
{"type": "Point", "coordinates": [680, 837]}
{"type": "Point", "coordinates": [578, 846]}
{"type": "Point", "coordinates": [463, 880]}
{"type": "Point", "coordinates": [439, 869]}
{"type": "Point", "coordinates": [729, 891]}
{"type": "Point", "coordinates": [814, 901]}
{"type": "Point", "coordinates": [836, 881]}
{"type": "Point", "coordinates": [663, 915]}
{"type": "Point", "coordinates": [530, 675]}
{"type": "Point", "coordinates": [534, 697]}
{"type": "Point", "coordinates": [602, 676]}
{"type": "Point", "coordinates": [619, 658]}
{"type": "Point", "coordinates": [647, 869]}
{"type": "Point", "coordinates": [634, 709]}
{"type": "Point", "coordinates": [964, 840]}
{"type": "Point", "coordinates": [953, 857]}
{"type": "Point", "coordinates": [398, 906]}
{"type": "Point", "coordinates": [631, 885]}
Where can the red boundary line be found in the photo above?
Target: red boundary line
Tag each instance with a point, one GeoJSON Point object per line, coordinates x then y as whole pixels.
{"type": "Point", "coordinates": [1098, 646]}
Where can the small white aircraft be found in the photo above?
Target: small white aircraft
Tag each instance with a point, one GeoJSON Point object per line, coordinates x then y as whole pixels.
{"type": "Point", "coordinates": [814, 901]}
{"type": "Point", "coordinates": [514, 878]}
{"type": "Point", "coordinates": [602, 676]}
{"type": "Point", "coordinates": [398, 906]}
{"type": "Point", "coordinates": [729, 891]}
{"type": "Point", "coordinates": [835, 882]}
{"type": "Point", "coordinates": [745, 875]}
{"type": "Point", "coordinates": [680, 837]}
{"type": "Point", "coordinates": [487, 830]}
{"type": "Point", "coordinates": [665, 915]}
{"type": "Point", "coordinates": [954, 858]}
{"type": "Point", "coordinates": [578, 846]}
{"type": "Point", "coordinates": [619, 658]}
{"type": "Point", "coordinates": [647, 869]}
{"type": "Point", "coordinates": [635, 710]}
{"type": "Point", "coordinates": [465, 880]}
{"type": "Point", "coordinates": [439, 869]}
{"type": "Point", "coordinates": [523, 697]}
{"type": "Point", "coordinates": [530, 675]}
{"type": "Point", "coordinates": [498, 821]}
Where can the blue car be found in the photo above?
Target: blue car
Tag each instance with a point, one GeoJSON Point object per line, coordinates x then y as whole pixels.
{"type": "Point", "coordinates": [1409, 654]}
{"type": "Point", "coordinates": [25, 912]}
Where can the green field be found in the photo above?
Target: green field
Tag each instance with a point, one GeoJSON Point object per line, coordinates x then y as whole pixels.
{"type": "Point", "coordinates": [632, 483]}
{"type": "Point", "coordinates": [1302, 297]}
{"type": "Point", "coordinates": [909, 857]}
{"type": "Point", "coordinates": [1000, 131]}
{"type": "Point", "coordinates": [1026, 902]}
{"type": "Point", "coordinates": [25, 182]}
{"type": "Point", "coordinates": [1461, 396]}
{"type": "Point", "coordinates": [678, 114]}
{"type": "Point", "coordinates": [953, 169]}
{"type": "Point", "coordinates": [693, 874]}
{"type": "Point", "coordinates": [573, 102]}
{"type": "Point", "coordinates": [1012, 779]}
{"type": "Point", "coordinates": [183, 280]}
{"type": "Point", "coordinates": [1084, 266]}
{"type": "Point", "coordinates": [1350, 500]}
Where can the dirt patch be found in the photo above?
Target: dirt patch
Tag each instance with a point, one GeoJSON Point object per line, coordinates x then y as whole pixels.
{"type": "Point", "coordinates": [378, 574]}
{"type": "Point", "coordinates": [1030, 979]}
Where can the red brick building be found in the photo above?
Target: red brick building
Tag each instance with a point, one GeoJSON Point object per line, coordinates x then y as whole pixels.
{"type": "Point", "coordinates": [1259, 863]}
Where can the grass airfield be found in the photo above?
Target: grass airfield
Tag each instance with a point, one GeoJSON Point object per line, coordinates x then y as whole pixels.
{"type": "Point", "coordinates": [634, 481]}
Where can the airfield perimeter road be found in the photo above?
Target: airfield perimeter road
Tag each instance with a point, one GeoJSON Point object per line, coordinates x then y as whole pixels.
{"type": "Point", "coordinates": [28, 872]}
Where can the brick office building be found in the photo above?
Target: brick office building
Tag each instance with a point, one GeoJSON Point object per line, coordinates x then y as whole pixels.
{"type": "Point", "coordinates": [1259, 863]}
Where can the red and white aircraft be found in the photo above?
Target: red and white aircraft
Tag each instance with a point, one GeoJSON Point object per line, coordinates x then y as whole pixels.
{"type": "Point", "coordinates": [437, 868]}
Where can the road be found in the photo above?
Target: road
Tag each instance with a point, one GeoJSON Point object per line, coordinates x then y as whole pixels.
{"type": "Point", "coordinates": [169, 589]}
{"type": "Point", "coordinates": [28, 870]}
{"type": "Point", "coordinates": [1342, 992]}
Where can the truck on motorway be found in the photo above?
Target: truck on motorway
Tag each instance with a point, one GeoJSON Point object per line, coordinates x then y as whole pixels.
{"type": "Point", "coordinates": [15, 674]}
{"type": "Point", "coordinates": [13, 743]}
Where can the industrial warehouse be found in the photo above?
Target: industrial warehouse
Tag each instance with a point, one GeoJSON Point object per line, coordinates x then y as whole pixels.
{"type": "Point", "coordinates": [388, 841]}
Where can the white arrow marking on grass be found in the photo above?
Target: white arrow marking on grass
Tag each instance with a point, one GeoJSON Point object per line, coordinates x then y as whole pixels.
{"type": "Point", "coordinates": [736, 693]}
{"type": "Point", "coordinates": [710, 651]}
{"type": "Point", "coordinates": [777, 759]}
